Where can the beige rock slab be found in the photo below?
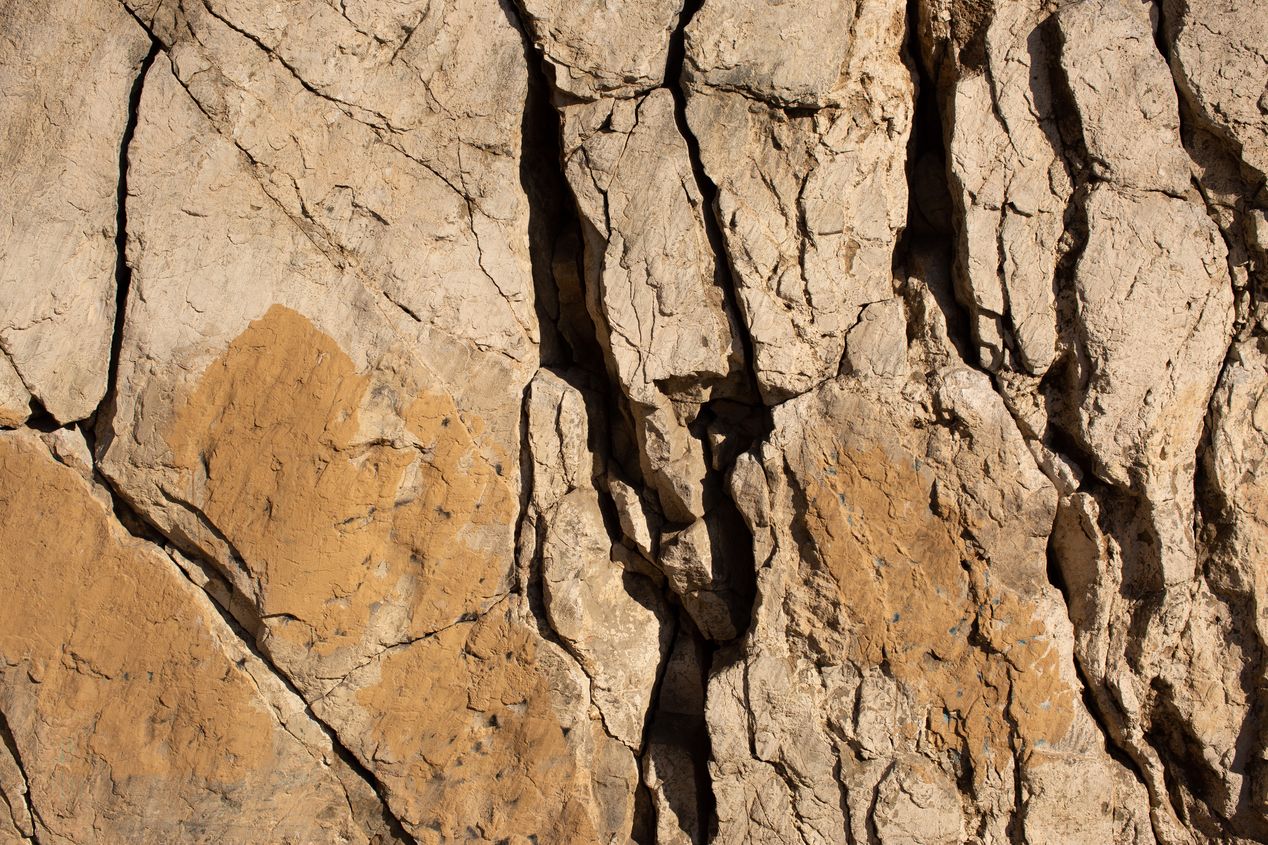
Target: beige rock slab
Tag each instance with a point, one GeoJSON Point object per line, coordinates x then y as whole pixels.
{"type": "Point", "coordinates": [303, 444]}
{"type": "Point", "coordinates": [67, 68]}
{"type": "Point", "coordinates": [595, 48]}
{"type": "Point", "coordinates": [807, 150]}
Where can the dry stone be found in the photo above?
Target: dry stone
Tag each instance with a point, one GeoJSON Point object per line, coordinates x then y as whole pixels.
{"type": "Point", "coordinates": [68, 68]}
{"type": "Point", "coordinates": [702, 423]}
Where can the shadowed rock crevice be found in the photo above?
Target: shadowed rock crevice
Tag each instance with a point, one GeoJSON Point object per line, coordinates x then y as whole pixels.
{"type": "Point", "coordinates": [724, 276]}
{"type": "Point", "coordinates": [122, 272]}
{"type": "Point", "coordinates": [630, 417]}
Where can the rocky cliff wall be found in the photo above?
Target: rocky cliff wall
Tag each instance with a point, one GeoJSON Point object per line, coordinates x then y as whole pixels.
{"type": "Point", "coordinates": [526, 421]}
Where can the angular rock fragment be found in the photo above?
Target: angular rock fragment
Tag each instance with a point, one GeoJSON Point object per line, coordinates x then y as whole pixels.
{"type": "Point", "coordinates": [612, 619]}
{"type": "Point", "coordinates": [596, 49]}
{"type": "Point", "coordinates": [1221, 67]}
{"type": "Point", "coordinates": [1007, 171]}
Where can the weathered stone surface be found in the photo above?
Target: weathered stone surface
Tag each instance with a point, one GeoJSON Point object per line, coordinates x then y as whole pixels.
{"type": "Point", "coordinates": [814, 421]}
{"type": "Point", "coordinates": [67, 69]}
{"type": "Point", "coordinates": [1009, 182]}
{"type": "Point", "coordinates": [501, 744]}
{"type": "Point", "coordinates": [424, 208]}
{"type": "Point", "coordinates": [613, 620]}
{"type": "Point", "coordinates": [1221, 66]}
{"type": "Point", "coordinates": [910, 669]}
{"type": "Point", "coordinates": [806, 149]}
{"type": "Point", "coordinates": [135, 712]}
{"type": "Point", "coordinates": [364, 517]}
{"type": "Point", "coordinates": [596, 49]}
{"type": "Point", "coordinates": [317, 480]}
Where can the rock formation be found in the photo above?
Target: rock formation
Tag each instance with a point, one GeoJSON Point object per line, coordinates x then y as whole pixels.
{"type": "Point", "coordinates": [685, 422]}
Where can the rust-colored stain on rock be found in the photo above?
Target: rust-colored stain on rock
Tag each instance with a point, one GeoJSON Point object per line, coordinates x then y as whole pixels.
{"type": "Point", "coordinates": [464, 727]}
{"type": "Point", "coordinates": [922, 605]}
{"type": "Point", "coordinates": [348, 495]}
{"type": "Point", "coordinates": [111, 671]}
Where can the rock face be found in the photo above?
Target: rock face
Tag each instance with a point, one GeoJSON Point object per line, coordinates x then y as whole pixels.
{"type": "Point", "coordinates": [519, 421]}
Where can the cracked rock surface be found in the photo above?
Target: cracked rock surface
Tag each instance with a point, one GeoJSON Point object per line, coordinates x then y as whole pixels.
{"type": "Point", "coordinates": [684, 422]}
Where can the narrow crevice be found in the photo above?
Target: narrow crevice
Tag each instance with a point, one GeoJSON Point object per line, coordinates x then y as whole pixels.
{"type": "Point", "coordinates": [724, 273]}
{"type": "Point", "coordinates": [1129, 755]}
{"type": "Point", "coordinates": [582, 352]}
{"type": "Point", "coordinates": [930, 229]}
{"type": "Point", "coordinates": [748, 423]}
{"type": "Point", "coordinates": [122, 270]}
{"type": "Point", "coordinates": [658, 727]}
{"type": "Point", "coordinates": [1092, 696]}
{"type": "Point", "coordinates": [11, 744]}
{"type": "Point", "coordinates": [750, 420]}
{"type": "Point", "coordinates": [1067, 373]}
{"type": "Point", "coordinates": [570, 348]}
{"type": "Point", "coordinates": [39, 418]}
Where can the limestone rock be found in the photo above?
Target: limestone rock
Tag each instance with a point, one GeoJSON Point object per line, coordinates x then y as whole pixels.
{"type": "Point", "coordinates": [169, 735]}
{"type": "Point", "coordinates": [67, 68]}
{"type": "Point", "coordinates": [1221, 66]}
{"type": "Point", "coordinates": [331, 474]}
{"type": "Point", "coordinates": [596, 49]}
{"type": "Point", "coordinates": [612, 619]}
{"type": "Point", "coordinates": [806, 150]}
{"type": "Point", "coordinates": [704, 423]}
{"type": "Point", "coordinates": [930, 666]}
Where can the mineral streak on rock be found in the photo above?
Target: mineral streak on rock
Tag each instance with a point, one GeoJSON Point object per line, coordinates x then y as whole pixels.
{"type": "Point", "coordinates": [685, 422]}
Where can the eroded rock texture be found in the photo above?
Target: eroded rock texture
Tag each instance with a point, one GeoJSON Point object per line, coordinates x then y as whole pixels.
{"type": "Point", "coordinates": [526, 421]}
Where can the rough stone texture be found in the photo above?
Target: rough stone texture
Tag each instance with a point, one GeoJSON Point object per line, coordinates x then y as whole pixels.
{"type": "Point", "coordinates": [67, 68]}
{"type": "Point", "coordinates": [1220, 61]}
{"type": "Point", "coordinates": [518, 421]}
{"type": "Point", "coordinates": [910, 668]}
{"type": "Point", "coordinates": [153, 722]}
{"type": "Point", "coordinates": [807, 154]}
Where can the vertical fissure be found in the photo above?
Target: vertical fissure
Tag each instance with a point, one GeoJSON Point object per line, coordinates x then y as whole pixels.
{"type": "Point", "coordinates": [122, 270]}
{"type": "Point", "coordinates": [1062, 375]}
{"type": "Point", "coordinates": [724, 274]}
{"type": "Point", "coordinates": [583, 348]}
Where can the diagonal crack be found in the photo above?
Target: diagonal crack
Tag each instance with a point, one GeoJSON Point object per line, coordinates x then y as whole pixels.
{"type": "Point", "coordinates": [144, 530]}
{"type": "Point", "coordinates": [135, 523]}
